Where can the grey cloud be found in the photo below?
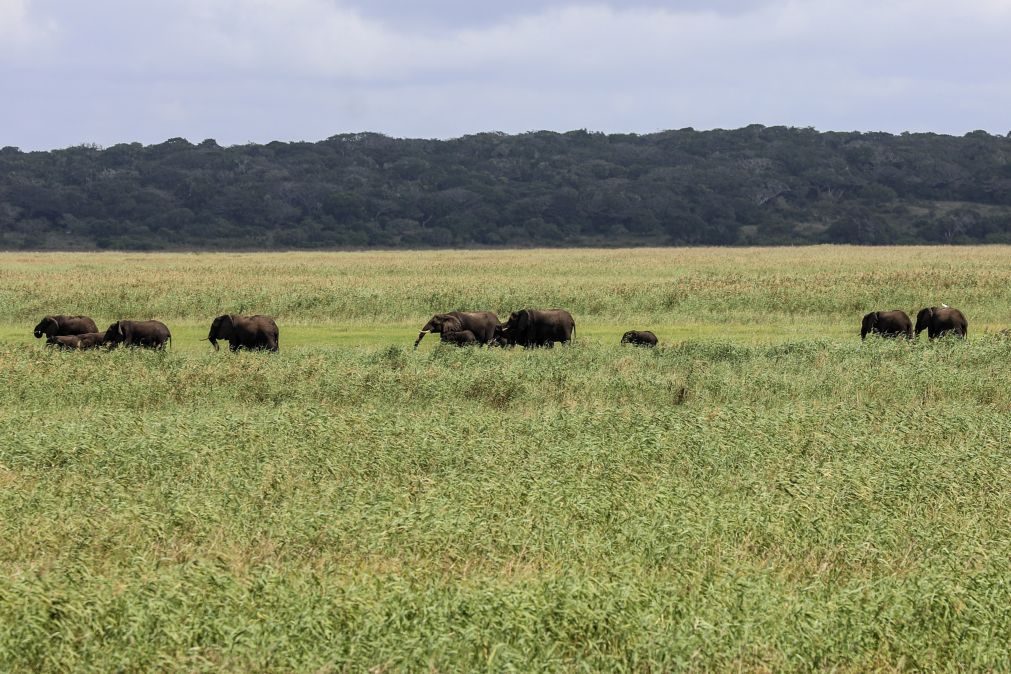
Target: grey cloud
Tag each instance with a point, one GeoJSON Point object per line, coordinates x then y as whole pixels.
{"type": "Point", "coordinates": [245, 70]}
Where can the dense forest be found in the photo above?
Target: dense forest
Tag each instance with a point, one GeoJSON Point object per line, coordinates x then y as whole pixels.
{"type": "Point", "coordinates": [756, 185]}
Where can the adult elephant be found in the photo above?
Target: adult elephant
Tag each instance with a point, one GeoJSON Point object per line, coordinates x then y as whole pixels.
{"type": "Point", "coordinates": [887, 324]}
{"type": "Point", "coordinates": [539, 327]}
{"type": "Point", "coordinates": [57, 326]}
{"type": "Point", "coordinates": [150, 334]}
{"type": "Point", "coordinates": [943, 320]}
{"type": "Point", "coordinates": [244, 332]}
{"type": "Point", "coordinates": [481, 323]}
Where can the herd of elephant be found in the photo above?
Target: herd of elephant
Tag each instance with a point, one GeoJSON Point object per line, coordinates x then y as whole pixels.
{"type": "Point", "coordinates": [526, 328]}
{"type": "Point", "coordinates": [937, 321]}
{"type": "Point", "coordinates": [81, 333]}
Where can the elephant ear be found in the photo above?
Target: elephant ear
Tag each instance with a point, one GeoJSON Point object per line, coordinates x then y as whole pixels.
{"type": "Point", "coordinates": [875, 317]}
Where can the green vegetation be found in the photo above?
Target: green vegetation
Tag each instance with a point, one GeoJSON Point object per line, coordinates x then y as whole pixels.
{"type": "Point", "coordinates": [757, 185]}
{"type": "Point", "coordinates": [784, 499]}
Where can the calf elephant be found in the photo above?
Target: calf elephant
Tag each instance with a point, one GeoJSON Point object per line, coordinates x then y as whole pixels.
{"type": "Point", "coordinates": [53, 326]}
{"type": "Point", "coordinates": [481, 323]}
{"type": "Point", "coordinates": [91, 340]}
{"type": "Point", "coordinates": [150, 334]}
{"type": "Point", "coordinates": [639, 338]}
{"type": "Point", "coordinates": [887, 324]}
{"type": "Point", "coordinates": [459, 337]}
{"type": "Point", "coordinates": [67, 342]}
{"type": "Point", "coordinates": [943, 320]}
{"type": "Point", "coordinates": [244, 332]}
{"type": "Point", "coordinates": [539, 327]}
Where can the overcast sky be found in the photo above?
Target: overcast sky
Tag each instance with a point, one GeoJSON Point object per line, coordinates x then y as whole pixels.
{"type": "Point", "coordinates": [111, 71]}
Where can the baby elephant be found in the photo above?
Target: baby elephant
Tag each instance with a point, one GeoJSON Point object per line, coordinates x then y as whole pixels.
{"type": "Point", "coordinates": [90, 340]}
{"type": "Point", "coordinates": [460, 337]}
{"type": "Point", "coordinates": [68, 342]}
{"type": "Point", "coordinates": [639, 338]}
{"type": "Point", "coordinates": [887, 324]}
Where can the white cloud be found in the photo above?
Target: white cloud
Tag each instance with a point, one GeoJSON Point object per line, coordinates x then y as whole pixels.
{"type": "Point", "coordinates": [19, 30]}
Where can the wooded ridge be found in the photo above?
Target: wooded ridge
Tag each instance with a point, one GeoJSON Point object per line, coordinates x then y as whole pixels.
{"type": "Point", "coordinates": [756, 185]}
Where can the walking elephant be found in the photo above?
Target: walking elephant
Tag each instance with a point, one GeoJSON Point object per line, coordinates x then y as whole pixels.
{"type": "Point", "coordinates": [90, 340]}
{"type": "Point", "coordinates": [460, 337]}
{"type": "Point", "coordinates": [887, 324]}
{"type": "Point", "coordinates": [943, 320]}
{"type": "Point", "coordinates": [150, 334]}
{"type": "Point", "coordinates": [53, 326]}
{"type": "Point", "coordinates": [481, 323]}
{"type": "Point", "coordinates": [244, 332]}
{"type": "Point", "coordinates": [639, 338]}
{"type": "Point", "coordinates": [539, 327]}
{"type": "Point", "coordinates": [66, 342]}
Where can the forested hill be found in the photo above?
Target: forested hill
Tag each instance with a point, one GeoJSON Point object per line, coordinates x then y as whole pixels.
{"type": "Point", "coordinates": [757, 185]}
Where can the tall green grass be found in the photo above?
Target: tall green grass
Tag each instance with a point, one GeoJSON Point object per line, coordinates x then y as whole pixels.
{"type": "Point", "coordinates": [763, 492]}
{"type": "Point", "coordinates": [708, 505]}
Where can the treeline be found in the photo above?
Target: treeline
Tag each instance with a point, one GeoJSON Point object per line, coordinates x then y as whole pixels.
{"type": "Point", "coordinates": [757, 185]}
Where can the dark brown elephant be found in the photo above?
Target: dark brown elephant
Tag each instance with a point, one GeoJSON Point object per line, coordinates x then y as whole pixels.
{"type": "Point", "coordinates": [53, 326]}
{"type": "Point", "coordinates": [481, 323]}
{"type": "Point", "coordinates": [459, 337]}
{"type": "Point", "coordinates": [639, 338]}
{"type": "Point", "coordinates": [894, 323]}
{"type": "Point", "coordinates": [539, 327]}
{"type": "Point", "coordinates": [245, 332]}
{"type": "Point", "coordinates": [91, 340]}
{"type": "Point", "coordinates": [150, 334]}
{"type": "Point", "coordinates": [943, 320]}
{"type": "Point", "coordinates": [67, 342]}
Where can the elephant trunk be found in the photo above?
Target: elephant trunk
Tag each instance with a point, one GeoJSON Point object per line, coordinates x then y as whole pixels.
{"type": "Point", "coordinates": [421, 336]}
{"type": "Point", "coordinates": [214, 343]}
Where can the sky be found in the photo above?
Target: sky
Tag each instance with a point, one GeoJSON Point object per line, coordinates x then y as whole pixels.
{"type": "Point", "coordinates": [238, 71]}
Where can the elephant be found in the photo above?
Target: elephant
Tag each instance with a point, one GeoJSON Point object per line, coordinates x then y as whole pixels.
{"type": "Point", "coordinates": [539, 327]}
{"type": "Point", "coordinates": [943, 320]}
{"type": "Point", "coordinates": [887, 324]}
{"type": "Point", "coordinates": [459, 337]}
{"type": "Point", "coordinates": [639, 338]}
{"type": "Point", "coordinates": [244, 332]}
{"type": "Point", "coordinates": [67, 342]}
{"type": "Point", "coordinates": [481, 323]}
{"type": "Point", "coordinates": [150, 334]}
{"type": "Point", "coordinates": [52, 326]}
{"type": "Point", "coordinates": [90, 340]}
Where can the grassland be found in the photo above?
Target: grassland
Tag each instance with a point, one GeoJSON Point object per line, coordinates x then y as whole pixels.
{"type": "Point", "coordinates": [765, 492]}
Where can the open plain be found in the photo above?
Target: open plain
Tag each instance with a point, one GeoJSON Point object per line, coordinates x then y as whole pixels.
{"type": "Point", "coordinates": [763, 491]}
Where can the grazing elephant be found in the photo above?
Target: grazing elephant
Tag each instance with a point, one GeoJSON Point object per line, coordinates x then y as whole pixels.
{"type": "Point", "coordinates": [52, 326]}
{"type": "Point", "coordinates": [90, 340]}
{"type": "Point", "coordinates": [887, 324]}
{"type": "Point", "coordinates": [244, 332]}
{"type": "Point", "coordinates": [539, 327]}
{"type": "Point", "coordinates": [481, 323]}
{"type": "Point", "coordinates": [151, 334]}
{"type": "Point", "coordinates": [943, 320]}
{"type": "Point", "coordinates": [68, 342]}
{"type": "Point", "coordinates": [459, 337]}
{"type": "Point", "coordinates": [639, 338]}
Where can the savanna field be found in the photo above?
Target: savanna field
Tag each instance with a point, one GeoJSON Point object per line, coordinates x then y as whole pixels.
{"type": "Point", "coordinates": [764, 492]}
